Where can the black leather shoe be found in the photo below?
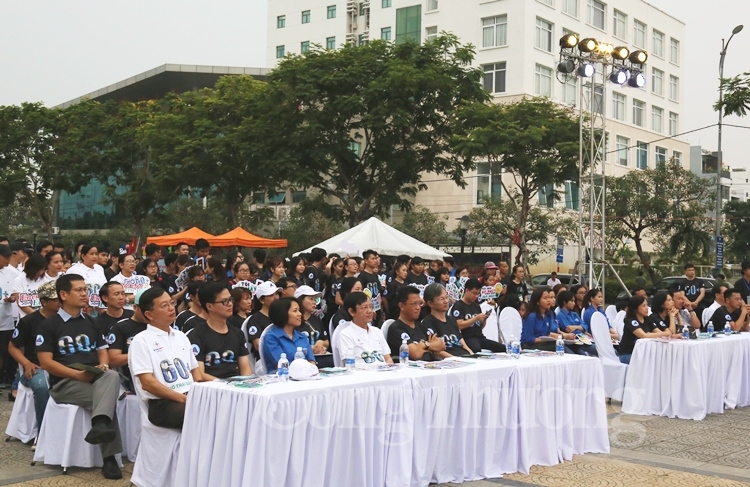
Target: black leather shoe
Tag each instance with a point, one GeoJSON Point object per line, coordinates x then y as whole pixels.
{"type": "Point", "coordinates": [101, 431]}
{"type": "Point", "coordinates": [110, 469]}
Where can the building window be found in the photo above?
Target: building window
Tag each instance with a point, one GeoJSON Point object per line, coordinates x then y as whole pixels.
{"type": "Point", "coordinates": [597, 13]}
{"type": "Point", "coordinates": [305, 16]}
{"type": "Point", "coordinates": [330, 43]}
{"type": "Point", "coordinates": [658, 47]}
{"type": "Point", "coordinates": [639, 34]}
{"type": "Point", "coordinates": [548, 2]}
{"type": "Point", "coordinates": [674, 123]}
{"type": "Point", "coordinates": [641, 155]}
{"type": "Point", "coordinates": [432, 5]}
{"type": "Point", "coordinates": [489, 182]}
{"type": "Point", "coordinates": [677, 157]}
{"type": "Point", "coordinates": [543, 35]}
{"type": "Point", "coordinates": [639, 109]}
{"type": "Point", "coordinates": [304, 47]}
{"type": "Point", "coordinates": [281, 21]}
{"type": "Point", "coordinates": [570, 7]}
{"type": "Point", "coordinates": [661, 156]}
{"type": "Point", "coordinates": [495, 31]}
{"type": "Point", "coordinates": [280, 52]}
{"type": "Point", "coordinates": [674, 51]}
{"type": "Point", "coordinates": [542, 81]}
{"type": "Point", "coordinates": [299, 196]}
{"type": "Point", "coordinates": [494, 77]}
{"type": "Point", "coordinates": [657, 82]}
{"type": "Point", "coordinates": [674, 88]}
{"type": "Point", "coordinates": [331, 13]}
{"type": "Point", "coordinates": [409, 24]}
{"type": "Point", "coordinates": [622, 150]}
{"type": "Point", "coordinates": [362, 40]}
{"type": "Point", "coordinates": [657, 119]}
{"type": "Point", "coordinates": [430, 33]}
{"type": "Point", "coordinates": [547, 196]}
{"type": "Point", "coordinates": [618, 106]}
{"type": "Point", "coordinates": [356, 147]}
{"type": "Point", "coordinates": [599, 99]}
{"type": "Point", "coordinates": [572, 196]}
{"type": "Point", "coordinates": [362, 8]}
{"type": "Point", "coordinates": [570, 90]}
{"type": "Point", "coordinates": [387, 3]}
{"type": "Point", "coordinates": [385, 33]}
{"type": "Point", "coordinates": [620, 25]}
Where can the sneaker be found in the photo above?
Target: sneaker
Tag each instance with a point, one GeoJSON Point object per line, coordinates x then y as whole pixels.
{"type": "Point", "coordinates": [110, 469]}
{"type": "Point", "coordinates": [101, 432]}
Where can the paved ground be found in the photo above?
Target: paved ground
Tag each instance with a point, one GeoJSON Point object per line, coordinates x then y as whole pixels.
{"type": "Point", "coordinates": [646, 451]}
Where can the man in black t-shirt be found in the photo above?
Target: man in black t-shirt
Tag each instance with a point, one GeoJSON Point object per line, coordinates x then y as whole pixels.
{"type": "Point", "coordinates": [735, 312]}
{"type": "Point", "coordinates": [314, 275]}
{"type": "Point", "coordinates": [442, 324]}
{"type": "Point", "coordinates": [406, 327]}
{"type": "Point", "coordinates": [168, 278]}
{"type": "Point", "coordinates": [416, 273]}
{"type": "Point", "coordinates": [119, 337]}
{"type": "Point", "coordinates": [371, 283]}
{"type": "Point", "coordinates": [471, 319]}
{"type": "Point", "coordinates": [113, 298]}
{"type": "Point", "coordinates": [71, 338]}
{"type": "Point", "coordinates": [517, 285]}
{"type": "Point", "coordinates": [694, 289]}
{"type": "Point", "coordinates": [220, 349]}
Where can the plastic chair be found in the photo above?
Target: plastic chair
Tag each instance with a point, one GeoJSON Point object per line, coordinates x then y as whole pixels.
{"type": "Point", "coordinates": [619, 323]}
{"type": "Point", "coordinates": [386, 325]}
{"type": "Point", "coordinates": [260, 365]}
{"type": "Point", "coordinates": [491, 329]}
{"type": "Point", "coordinates": [510, 324]}
{"type": "Point", "coordinates": [707, 314]}
{"type": "Point", "coordinates": [337, 358]}
{"type": "Point", "coordinates": [611, 312]}
{"type": "Point", "coordinates": [614, 370]}
{"type": "Point", "coordinates": [243, 328]}
{"type": "Point", "coordinates": [158, 452]}
{"type": "Point", "coordinates": [22, 423]}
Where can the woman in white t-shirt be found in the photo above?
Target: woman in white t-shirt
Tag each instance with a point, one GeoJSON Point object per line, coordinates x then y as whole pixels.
{"type": "Point", "coordinates": [26, 284]}
{"type": "Point", "coordinates": [129, 280]}
{"type": "Point", "coordinates": [367, 342]}
{"type": "Point", "coordinates": [92, 273]}
{"type": "Point", "coordinates": [55, 265]}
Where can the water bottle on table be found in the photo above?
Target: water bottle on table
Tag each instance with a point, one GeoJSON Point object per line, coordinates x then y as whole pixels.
{"type": "Point", "coordinates": [727, 329]}
{"type": "Point", "coordinates": [710, 329]}
{"type": "Point", "coordinates": [515, 348]}
{"type": "Point", "coordinates": [283, 368]}
{"type": "Point", "coordinates": [685, 332]}
{"type": "Point", "coordinates": [560, 346]}
{"type": "Point", "coordinates": [349, 360]}
{"type": "Point", "coordinates": [299, 354]}
{"type": "Point", "coordinates": [403, 354]}
{"type": "Point", "coordinates": [509, 345]}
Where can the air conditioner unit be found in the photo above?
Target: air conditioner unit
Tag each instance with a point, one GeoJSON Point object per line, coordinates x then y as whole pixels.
{"type": "Point", "coordinates": [354, 26]}
{"type": "Point", "coordinates": [55, 230]}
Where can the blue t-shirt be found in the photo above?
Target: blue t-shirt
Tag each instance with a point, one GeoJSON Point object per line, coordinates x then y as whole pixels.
{"type": "Point", "coordinates": [535, 326]}
{"type": "Point", "coordinates": [587, 317]}
{"type": "Point", "coordinates": [276, 342]}
{"type": "Point", "coordinates": [568, 318]}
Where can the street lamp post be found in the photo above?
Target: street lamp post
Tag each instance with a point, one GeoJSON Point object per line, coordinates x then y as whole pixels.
{"type": "Point", "coordinates": [463, 228]}
{"type": "Point", "coordinates": [719, 158]}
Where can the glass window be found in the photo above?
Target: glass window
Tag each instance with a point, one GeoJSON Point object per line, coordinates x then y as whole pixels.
{"type": "Point", "coordinates": [362, 40]}
{"type": "Point", "coordinates": [674, 51]}
{"type": "Point", "coordinates": [658, 48]}
{"type": "Point", "coordinates": [623, 144]}
{"type": "Point", "coordinates": [641, 155]}
{"type": "Point", "coordinates": [432, 5]}
{"type": "Point", "coordinates": [494, 77]}
{"type": "Point", "coordinates": [299, 196]}
{"type": "Point", "coordinates": [409, 24]}
{"type": "Point", "coordinates": [542, 81]}
{"type": "Point", "coordinates": [495, 31]}
{"type": "Point", "coordinates": [674, 123]}
{"type": "Point", "coordinates": [356, 147]}
{"type": "Point", "coordinates": [281, 21]}
{"type": "Point", "coordinates": [620, 25]}
{"type": "Point", "coordinates": [305, 16]}
{"type": "Point", "coordinates": [385, 33]}
{"type": "Point", "coordinates": [547, 196]}
{"type": "Point", "coordinates": [362, 8]}
{"type": "Point", "coordinates": [280, 52]}
{"type": "Point", "coordinates": [570, 7]}
{"type": "Point", "coordinates": [543, 35]}
{"type": "Point", "coordinates": [331, 13]}
{"type": "Point", "coordinates": [674, 88]}
{"type": "Point", "coordinates": [639, 34]}
{"type": "Point", "coordinates": [596, 13]}
{"type": "Point", "coordinates": [639, 109]}
{"type": "Point", "coordinates": [304, 47]}
{"type": "Point", "coordinates": [657, 81]}
{"type": "Point", "coordinates": [618, 106]}
{"type": "Point", "coordinates": [661, 156]}
{"type": "Point", "coordinates": [330, 43]}
{"type": "Point", "coordinates": [657, 119]}
{"type": "Point", "coordinates": [387, 3]}
{"type": "Point", "coordinates": [430, 33]}
{"type": "Point", "coordinates": [547, 2]}
{"type": "Point", "coordinates": [489, 182]}
{"type": "Point", "coordinates": [572, 196]}
{"type": "Point", "coordinates": [570, 90]}
{"type": "Point", "coordinates": [677, 157]}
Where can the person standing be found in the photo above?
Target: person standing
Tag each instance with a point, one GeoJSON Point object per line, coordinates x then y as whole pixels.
{"type": "Point", "coordinates": [8, 275]}
{"type": "Point", "coordinates": [517, 285]}
{"type": "Point", "coordinates": [371, 282]}
{"type": "Point", "coordinates": [92, 274]}
{"type": "Point", "coordinates": [130, 281]}
{"type": "Point", "coordinates": [153, 252]}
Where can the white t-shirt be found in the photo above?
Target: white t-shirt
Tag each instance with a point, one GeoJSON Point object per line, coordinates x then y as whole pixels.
{"type": "Point", "coordinates": [94, 279]}
{"type": "Point", "coordinates": [27, 292]}
{"type": "Point", "coordinates": [8, 277]}
{"type": "Point", "coordinates": [132, 284]}
{"type": "Point", "coordinates": [553, 282]}
{"type": "Point", "coordinates": [167, 355]}
{"type": "Point", "coordinates": [368, 344]}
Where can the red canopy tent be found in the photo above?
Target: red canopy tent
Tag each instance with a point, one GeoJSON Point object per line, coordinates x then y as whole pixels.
{"type": "Point", "coordinates": [240, 237]}
{"type": "Point", "coordinates": [188, 236]}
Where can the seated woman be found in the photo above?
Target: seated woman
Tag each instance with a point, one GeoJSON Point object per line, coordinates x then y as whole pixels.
{"type": "Point", "coordinates": [664, 314]}
{"type": "Point", "coordinates": [637, 326]}
{"type": "Point", "coordinates": [442, 324]}
{"type": "Point", "coordinates": [567, 319]}
{"type": "Point", "coordinates": [284, 336]}
{"type": "Point", "coordinates": [592, 303]}
{"type": "Point", "coordinates": [540, 327]}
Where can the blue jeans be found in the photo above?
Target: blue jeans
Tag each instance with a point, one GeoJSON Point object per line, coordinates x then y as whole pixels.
{"type": "Point", "coordinates": [38, 384]}
{"type": "Point", "coordinates": [625, 358]}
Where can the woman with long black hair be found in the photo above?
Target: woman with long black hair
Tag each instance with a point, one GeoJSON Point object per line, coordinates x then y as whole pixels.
{"type": "Point", "coordinates": [540, 327]}
{"type": "Point", "coordinates": [637, 326]}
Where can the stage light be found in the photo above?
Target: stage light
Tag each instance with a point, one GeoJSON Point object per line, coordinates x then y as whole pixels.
{"type": "Point", "coordinates": [621, 53]}
{"type": "Point", "coordinates": [569, 41]}
{"type": "Point", "coordinates": [586, 70]}
{"type": "Point", "coordinates": [567, 66]}
{"type": "Point", "coordinates": [588, 45]}
{"type": "Point", "coordinates": [620, 76]}
{"type": "Point", "coordinates": [637, 80]}
{"type": "Point", "coordinates": [638, 57]}
{"type": "Point", "coordinates": [605, 49]}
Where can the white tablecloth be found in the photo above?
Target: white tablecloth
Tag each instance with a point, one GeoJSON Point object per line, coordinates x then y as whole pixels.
{"type": "Point", "coordinates": [688, 378]}
{"type": "Point", "coordinates": [404, 428]}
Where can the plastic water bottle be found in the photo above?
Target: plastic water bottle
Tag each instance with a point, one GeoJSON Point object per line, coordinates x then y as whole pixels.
{"type": "Point", "coordinates": [685, 332]}
{"type": "Point", "coordinates": [515, 348]}
{"type": "Point", "coordinates": [727, 329]}
{"type": "Point", "coordinates": [560, 346]}
{"type": "Point", "coordinates": [710, 329]}
{"type": "Point", "coordinates": [283, 368]}
{"type": "Point", "coordinates": [509, 345]}
{"type": "Point", "coordinates": [349, 360]}
{"type": "Point", "coordinates": [403, 354]}
{"type": "Point", "coordinates": [299, 354]}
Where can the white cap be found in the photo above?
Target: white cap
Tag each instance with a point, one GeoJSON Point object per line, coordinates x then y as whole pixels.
{"type": "Point", "coordinates": [306, 291]}
{"type": "Point", "coordinates": [266, 288]}
{"type": "Point", "coordinates": [301, 369]}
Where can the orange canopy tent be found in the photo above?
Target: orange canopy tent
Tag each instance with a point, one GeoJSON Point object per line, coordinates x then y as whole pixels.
{"type": "Point", "coordinates": [240, 237]}
{"type": "Point", "coordinates": [188, 236]}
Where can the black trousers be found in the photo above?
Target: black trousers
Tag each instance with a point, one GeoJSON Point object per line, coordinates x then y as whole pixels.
{"type": "Point", "coordinates": [478, 343]}
{"type": "Point", "coordinates": [166, 413]}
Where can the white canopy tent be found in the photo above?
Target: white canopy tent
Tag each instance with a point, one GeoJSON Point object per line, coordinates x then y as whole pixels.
{"type": "Point", "coordinates": [380, 237]}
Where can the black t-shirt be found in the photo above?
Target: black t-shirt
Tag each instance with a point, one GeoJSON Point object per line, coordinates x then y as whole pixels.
{"type": "Point", "coordinates": [24, 336]}
{"type": "Point", "coordinates": [74, 341]}
{"type": "Point", "coordinates": [109, 273]}
{"type": "Point", "coordinates": [219, 352]}
{"type": "Point", "coordinates": [106, 322]}
{"type": "Point", "coordinates": [743, 287]}
{"type": "Point", "coordinates": [521, 290]}
{"type": "Point", "coordinates": [332, 288]}
{"type": "Point", "coordinates": [192, 322]}
{"type": "Point", "coordinates": [255, 326]}
{"type": "Point", "coordinates": [315, 278]}
{"type": "Point", "coordinates": [314, 330]}
{"type": "Point", "coordinates": [412, 278]}
{"type": "Point", "coordinates": [236, 321]}
{"type": "Point", "coordinates": [168, 282]}
{"type": "Point", "coordinates": [463, 311]}
{"type": "Point", "coordinates": [340, 317]}
{"type": "Point", "coordinates": [372, 283]}
{"type": "Point", "coordinates": [656, 321]}
{"type": "Point", "coordinates": [179, 322]}
{"type": "Point", "coordinates": [120, 336]}
{"type": "Point", "coordinates": [628, 339]}
{"type": "Point", "coordinates": [692, 288]}
{"type": "Point", "coordinates": [399, 331]}
{"type": "Point", "coordinates": [392, 295]}
{"type": "Point", "coordinates": [721, 317]}
{"type": "Point", "coordinates": [447, 330]}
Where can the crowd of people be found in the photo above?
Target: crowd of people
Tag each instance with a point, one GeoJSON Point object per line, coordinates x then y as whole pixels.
{"type": "Point", "coordinates": [85, 327]}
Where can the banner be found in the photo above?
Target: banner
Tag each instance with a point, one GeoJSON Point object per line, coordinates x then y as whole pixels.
{"type": "Point", "coordinates": [134, 283]}
{"type": "Point", "coordinates": [182, 279]}
{"type": "Point", "coordinates": [250, 286]}
{"type": "Point", "coordinates": [29, 299]}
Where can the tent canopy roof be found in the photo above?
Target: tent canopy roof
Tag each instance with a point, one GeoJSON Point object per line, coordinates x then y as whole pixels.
{"type": "Point", "coordinates": [240, 237]}
{"type": "Point", "coordinates": [188, 236]}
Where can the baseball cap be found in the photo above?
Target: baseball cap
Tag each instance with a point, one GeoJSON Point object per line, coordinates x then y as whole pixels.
{"type": "Point", "coordinates": [301, 369]}
{"type": "Point", "coordinates": [266, 288]}
{"type": "Point", "coordinates": [47, 290]}
{"type": "Point", "coordinates": [20, 246]}
{"type": "Point", "coordinates": [138, 295]}
{"type": "Point", "coordinates": [490, 265]}
{"type": "Point", "coordinates": [417, 260]}
{"type": "Point", "coordinates": [306, 291]}
{"type": "Point", "coordinates": [122, 251]}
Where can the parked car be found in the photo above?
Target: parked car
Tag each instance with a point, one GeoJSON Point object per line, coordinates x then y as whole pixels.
{"type": "Point", "coordinates": [668, 283]}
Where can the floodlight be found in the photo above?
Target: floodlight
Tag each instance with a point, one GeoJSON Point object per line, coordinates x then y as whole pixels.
{"type": "Point", "coordinates": [588, 45]}
{"type": "Point", "coordinates": [637, 80]}
{"type": "Point", "coordinates": [567, 66]}
{"type": "Point", "coordinates": [605, 48]}
{"type": "Point", "coordinates": [621, 53]}
{"type": "Point", "coordinates": [569, 41]}
{"type": "Point", "coordinates": [620, 76]}
{"type": "Point", "coordinates": [638, 57]}
{"type": "Point", "coordinates": [586, 70]}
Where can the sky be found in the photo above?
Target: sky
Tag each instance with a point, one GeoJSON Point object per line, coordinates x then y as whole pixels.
{"type": "Point", "coordinates": [53, 51]}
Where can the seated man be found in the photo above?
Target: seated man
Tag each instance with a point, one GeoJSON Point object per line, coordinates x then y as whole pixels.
{"type": "Point", "coordinates": [71, 338]}
{"type": "Point", "coordinates": [112, 295]}
{"type": "Point", "coordinates": [162, 361]}
{"type": "Point", "coordinates": [22, 347]}
{"type": "Point", "coordinates": [406, 327]}
{"type": "Point", "coordinates": [220, 349]}
{"type": "Point", "coordinates": [471, 319]}
{"type": "Point", "coordinates": [718, 292]}
{"type": "Point", "coordinates": [366, 341]}
{"type": "Point", "coordinates": [121, 335]}
{"type": "Point", "coordinates": [442, 324]}
{"type": "Point", "coordinates": [734, 312]}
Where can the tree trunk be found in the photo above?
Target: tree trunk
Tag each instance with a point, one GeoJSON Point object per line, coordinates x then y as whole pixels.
{"type": "Point", "coordinates": [645, 261]}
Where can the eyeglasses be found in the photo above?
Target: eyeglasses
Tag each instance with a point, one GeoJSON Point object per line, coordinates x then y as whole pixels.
{"type": "Point", "coordinates": [225, 302]}
{"type": "Point", "coordinates": [365, 308]}
{"type": "Point", "coordinates": [79, 290]}
{"type": "Point", "coordinates": [170, 304]}
{"type": "Point", "coordinates": [291, 286]}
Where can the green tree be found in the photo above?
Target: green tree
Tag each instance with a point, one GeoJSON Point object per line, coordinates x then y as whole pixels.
{"type": "Point", "coordinates": [364, 124]}
{"type": "Point", "coordinates": [535, 141]}
{"type": "Point", "coordinates": [307, 228]}
{"type": "Point", "coordinates": [737, 228]}
{"type": "Point", "coordinates": [425, 226]}
{"type": "Point", "coordinates": [645, 204]}
{"type": "Point", "coordinates": [736, 99]}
